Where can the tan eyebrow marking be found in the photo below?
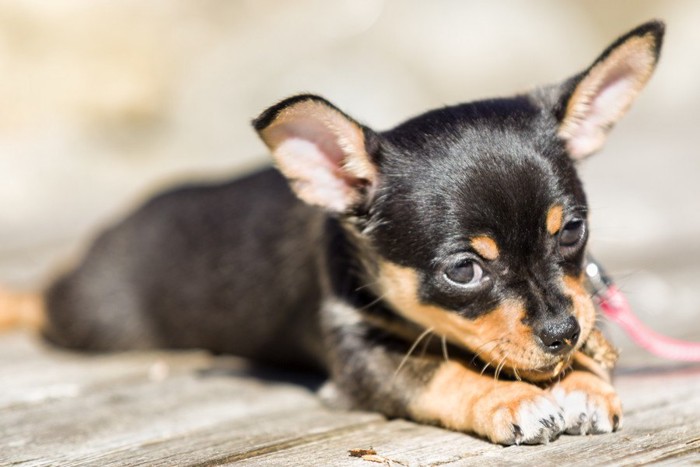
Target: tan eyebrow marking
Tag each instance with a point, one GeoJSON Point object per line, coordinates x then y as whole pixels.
{"type": "Point", "coordinates": [555, 218]}
{"type": "Point", "coordinates": [486, 247]}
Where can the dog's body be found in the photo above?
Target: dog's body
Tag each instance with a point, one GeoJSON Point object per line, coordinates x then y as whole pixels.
{"type": "Point", "coordinates": [194, 268]}
{"type": "Point", "coordinates": [467, 223]}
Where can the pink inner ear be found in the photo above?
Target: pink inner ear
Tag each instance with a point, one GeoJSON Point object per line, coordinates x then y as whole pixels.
{"type": "Point", "coordinates": [313, 175]}
{"type": "Point", "coordinates": [329, 155]}
{"type": "Point", "coordinates": [607, 105]}
{"type": "Point", "coordinates": [311, 130]}
{"type": "Point", "coordinates": [604, 95]}
{"type": "Point", "coordinates": [614, 95]}
{"type": "Point", "coordinates": [322, 153]}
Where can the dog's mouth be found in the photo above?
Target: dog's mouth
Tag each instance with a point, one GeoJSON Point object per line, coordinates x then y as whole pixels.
{"type": "Point", "coordinates": [543, 372]}
{"type": "Point", "coordinates": [537, 364]}
{"type": "Point", "coordinates": [528, 362]}
{"type": "Point", "coordinates": [532, 364]}
{"type": "Point", "coordinates": [521, 356]}
{"type": "Point", "coordinates": [555, 369]}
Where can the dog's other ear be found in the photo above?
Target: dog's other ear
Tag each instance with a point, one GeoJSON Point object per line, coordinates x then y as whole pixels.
{"type": "Point", "coordinates": [322, 151]}
{"type": "Point", "coordinates": [593, 101]}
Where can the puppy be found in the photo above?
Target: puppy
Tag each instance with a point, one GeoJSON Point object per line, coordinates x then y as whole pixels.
{"type": "Point", "coordinates": [434, 271]}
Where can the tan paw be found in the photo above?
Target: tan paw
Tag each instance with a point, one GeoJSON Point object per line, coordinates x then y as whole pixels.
{"type": "Point", "coordinates": [590, 405]}
{"type": "Point", "coordinates": [519, 413]}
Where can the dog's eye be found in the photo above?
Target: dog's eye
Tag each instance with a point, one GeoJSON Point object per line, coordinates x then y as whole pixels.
{"type": "Point", "coordinates": [466, 272]}
{"type": "Point", "coordinates": [572, 233]}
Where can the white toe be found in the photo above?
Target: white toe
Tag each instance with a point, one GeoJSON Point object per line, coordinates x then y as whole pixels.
{"type": "Point", "coordinates": [539, 421]}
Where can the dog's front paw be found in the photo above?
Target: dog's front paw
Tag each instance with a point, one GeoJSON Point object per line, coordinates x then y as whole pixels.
{"type": "Point", "coordinates": [519, 414]}
{"type": "Point", "coordinates": [591, 405]}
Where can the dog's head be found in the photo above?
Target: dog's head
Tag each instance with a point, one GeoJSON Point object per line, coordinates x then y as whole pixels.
{"type": "Point", "coordinates": [473, 218]}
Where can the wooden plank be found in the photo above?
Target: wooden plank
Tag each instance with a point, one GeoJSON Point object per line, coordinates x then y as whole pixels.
{"type": "Point", "coordinates": [400, 441]}
{"type": "Point", "coordinates": [658, 386]}
{"type": "Point", "coordinates": [658, 427]}
{"type": "Point", "coordinates": [242, 438]}
{"type": "Point", "coordinates": [62, 406]}
{"type": "Point", "coordinates": [162, 408]}
{"type": "Point", "coordinates": [130, 415]}
{"type": "Point", "coordinates": [193, 408]}
{"type": "Point", "coordinates": [659, 434]}
{"type": "Point", "coordinates": [50, 374]}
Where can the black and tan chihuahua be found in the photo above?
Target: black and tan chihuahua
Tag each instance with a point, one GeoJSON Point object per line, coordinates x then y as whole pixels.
{"type": "Point", "coordinates": [434, 271]}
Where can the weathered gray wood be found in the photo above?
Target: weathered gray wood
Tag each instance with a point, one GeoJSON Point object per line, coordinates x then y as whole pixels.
{"type": "Point", "coordinates": [136, 411]}
{"type": "Point", "coordinates": [658, 387]}
{"type": "Point", "coordinates": [188, 408]}
{"type": "Point", "coordinates": [46, 373]}
{"type": "Point", "coordinates": [244, 438]}
{"type": "Point", "coordinates": [399, 441]}
{"type": "Point", "coordinates": [670, 431]}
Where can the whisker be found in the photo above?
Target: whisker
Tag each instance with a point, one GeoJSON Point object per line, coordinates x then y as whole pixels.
{"type": "Point", "coordinates": [426, 343]}
{"type": "Point", "coordinates": [410, 351]}
{"type": "Point", "coordinates": [444, 349]}
{"type": "Point", "coordinates": [365, 286]}
{"type": "Point", "coordinates": [373, 302]}
{"type": "Point", "coordinates": [565, 369]}
{"type": "Point", "coordinates": [515, 373]}
{"type": "Point", "coordinates": [481, 349]}
{"type": "Point", "coordinates": [499, 368]}
{"type": "Point", "coordinates": [496, 343]}
{"type": "Point", "coordinates": [483, 370]}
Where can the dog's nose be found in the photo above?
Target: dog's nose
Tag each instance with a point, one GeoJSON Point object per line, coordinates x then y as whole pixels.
{"type": "Point", "coordinates": [559, 336]}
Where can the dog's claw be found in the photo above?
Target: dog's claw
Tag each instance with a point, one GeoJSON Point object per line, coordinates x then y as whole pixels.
{"type": "Point", "coordinates": [517, 435]}
{"type": "Point", "coordinates": [589, 411]}
{"type": "Point", "coordinates": [537, 421]}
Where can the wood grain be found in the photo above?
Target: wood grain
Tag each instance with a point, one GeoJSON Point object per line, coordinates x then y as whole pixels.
{"type": "Point", "coordinates": [189, 408]}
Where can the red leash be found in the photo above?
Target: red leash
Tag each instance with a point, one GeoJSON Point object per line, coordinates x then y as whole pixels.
{"type": "Point", "coordinates": [616, 307]}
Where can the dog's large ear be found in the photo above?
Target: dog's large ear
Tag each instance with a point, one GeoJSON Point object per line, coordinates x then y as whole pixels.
{"type": "Point", "coordinates": [322, 151]}
{"type": "Point", "coordinates": [593, 101]}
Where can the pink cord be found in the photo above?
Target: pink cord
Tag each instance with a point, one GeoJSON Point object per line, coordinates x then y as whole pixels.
{"type": "Point", "coordinates": [615, 306]}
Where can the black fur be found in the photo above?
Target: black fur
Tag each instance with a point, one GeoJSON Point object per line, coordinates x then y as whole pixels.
{"type": "Point", "coordinates": [491, 167]}
{"type": "Point", "coordinates": [246, 268]}
{"type": "Point", "coordinates": [172, 274]}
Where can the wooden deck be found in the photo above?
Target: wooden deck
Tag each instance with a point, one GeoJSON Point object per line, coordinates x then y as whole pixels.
{"type": "Point", "coordinates": [189, 408]}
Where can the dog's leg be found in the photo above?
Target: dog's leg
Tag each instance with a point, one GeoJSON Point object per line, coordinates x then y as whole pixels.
{"type": "Point", "coordinates": [373, 372]}
{"type": "Point", "coordinates": [505, 412]}
{"type": "Point", "coordinates": [589, 401]}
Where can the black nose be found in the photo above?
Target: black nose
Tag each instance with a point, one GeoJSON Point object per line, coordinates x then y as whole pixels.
{"type": "Point", "coordinates": [558, 336]}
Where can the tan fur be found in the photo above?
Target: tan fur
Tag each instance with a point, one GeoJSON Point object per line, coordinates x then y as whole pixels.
{"type": "Point", "coordinates": [459, 398]}
{"type": "Point", "coordinates": [600, 350]}
{"type": "Point", "coordinates": [598, 391]}
{"type": "Point", "coordinates": [499, 336]}
{"type": "Point", "coordinates": [584, 362]}
{"type": "Point", "coordinates": [21, 310]}
{"type": "Point", "coordinates": [486, 247]}
{"type": "Point", "coordinates": [635, 59]}
{"type": "Point", "coordinates": [555, 219]}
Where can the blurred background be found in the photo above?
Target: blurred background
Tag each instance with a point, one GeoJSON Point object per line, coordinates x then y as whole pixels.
{"type": "Point", "coordinates": [103, 103]}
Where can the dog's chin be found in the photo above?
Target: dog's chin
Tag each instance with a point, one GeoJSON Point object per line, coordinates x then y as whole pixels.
{"type": "Point", "coordinates": [544, 369]}
{"type": "Point", "coordinates": [530, 363]}
{"type": "Point", "coordinates": [537, 366]}
{"type": "Point", "coordinates": [542, 373]}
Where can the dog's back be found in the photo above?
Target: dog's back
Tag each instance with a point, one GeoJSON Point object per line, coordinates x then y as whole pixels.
{"type": "Point", "coordinates": [228, 267]}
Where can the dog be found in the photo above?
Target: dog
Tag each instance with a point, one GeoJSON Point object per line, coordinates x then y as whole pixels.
{"type": "Point", "coordinates": [433, 271]}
